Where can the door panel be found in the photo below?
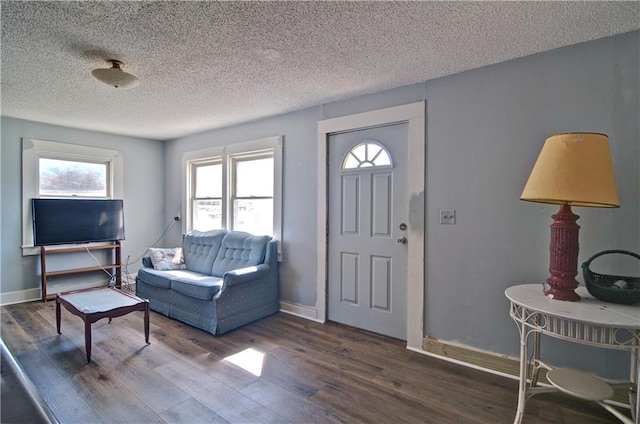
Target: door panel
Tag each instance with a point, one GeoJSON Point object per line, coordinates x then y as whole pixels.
{"type": "Point", "coordinates": [350, 203]}
{"type": "Point", "coordinates": [366, 263]}
{"type": "Point", "coordinates": [381, 283]}
{"type": "Point", "coordinates": [349, 278]}
{"type": "Point", "coordinates": [381, 210]}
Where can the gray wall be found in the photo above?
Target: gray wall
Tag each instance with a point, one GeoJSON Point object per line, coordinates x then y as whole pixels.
{"type": "Point", "coordinates": [143, 194]}
{"type": "Point", "coordinates": [485, 128]}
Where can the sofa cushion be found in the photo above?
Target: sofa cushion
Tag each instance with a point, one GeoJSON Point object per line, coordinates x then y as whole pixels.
{"type": "Point", "coordinates": [192, 284]}
{"type": "Point", "coordinates": [200, 249]}
{"type": "Point", "coordinates": [199, 286]}
{"type": "Point", "coordinates": [156, 278]}
{"type": "Point", "coordinates": [239, 250]}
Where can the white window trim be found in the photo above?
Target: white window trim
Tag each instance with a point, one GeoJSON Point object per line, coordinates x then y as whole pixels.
{"type": "Point", "coordinates": [33, 149]}
{"type": "Point", "coordinates": [274, 143]}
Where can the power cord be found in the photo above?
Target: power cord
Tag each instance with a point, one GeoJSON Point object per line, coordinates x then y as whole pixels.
{"type": "Point", "coordinates": [126, 275]}
{"type": "Point", "coordinates": [112, 278]}
{"type": "Point", "coordinates": [164, 233]}
{"type": "Point", "coordinates": [125, 270]}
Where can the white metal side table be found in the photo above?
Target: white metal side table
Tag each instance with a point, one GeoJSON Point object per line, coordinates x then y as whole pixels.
{"type": "Point", "coordinates": [589, 322]}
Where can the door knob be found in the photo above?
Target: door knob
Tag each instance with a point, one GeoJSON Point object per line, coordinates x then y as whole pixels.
{"type": "Point", "coordinates": [402, 240]}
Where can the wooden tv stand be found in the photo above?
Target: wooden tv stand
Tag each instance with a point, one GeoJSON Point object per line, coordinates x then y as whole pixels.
{"type": "Point", "coordinates": [117, 265]}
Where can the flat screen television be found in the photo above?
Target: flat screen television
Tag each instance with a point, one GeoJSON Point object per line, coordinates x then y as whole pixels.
{"type": "Point", "coordinates": [66, 221]}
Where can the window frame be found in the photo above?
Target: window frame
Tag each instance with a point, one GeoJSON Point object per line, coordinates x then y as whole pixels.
{"type": "Point", "coordinates": [34, 149]}
{"type": "Point", "coordinates": [191, 199]}
{"type": "Point", "coordinates": [233, 160]}
{"type": "Point", "coordinates": [229, 153]}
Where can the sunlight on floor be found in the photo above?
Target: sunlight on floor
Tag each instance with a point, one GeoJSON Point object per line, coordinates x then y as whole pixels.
{"type": "Point", "coordinates": [249, 360]}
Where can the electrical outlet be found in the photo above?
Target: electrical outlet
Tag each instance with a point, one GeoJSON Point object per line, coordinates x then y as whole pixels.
{"type": "Point", "coordinates": [177, 217]}
{"type": "Point", "coordinates": [447, 216]}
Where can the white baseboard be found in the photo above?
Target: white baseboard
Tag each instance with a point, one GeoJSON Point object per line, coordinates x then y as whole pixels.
{"type": "Point", "coordinates": [20, 296]}
{"type": "Point", "coordinates": [30, 295]}
{"type": "Point", "coordinates": [301, 311]}
{"type": "Point", "coordinates": [464, 363]}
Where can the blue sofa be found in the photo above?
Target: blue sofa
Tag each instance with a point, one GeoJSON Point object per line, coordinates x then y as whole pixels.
{"type": "Point", "coordinates": [228, 279]}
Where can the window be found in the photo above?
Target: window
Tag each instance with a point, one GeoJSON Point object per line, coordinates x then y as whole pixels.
{"type": "Point", "coordinates": [252, 193]}
{"type": "Point", "coordinates": [206, 205]}
{"type": "Point", "coordinates": [64, 178]}
{"type": "Point", "coordinates": [54, 169]}
{"type": "Point", "coordinates": [367, 154]}
{"type": "Point", "coordinates": [235, 187]}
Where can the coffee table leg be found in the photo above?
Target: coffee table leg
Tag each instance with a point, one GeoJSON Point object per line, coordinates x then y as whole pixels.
{"type": "Point", "coordinates": [146, 324]}
{"type": "Point", "coordinates": [58, 316]}
{"type": "Point", "coordinates": [87, 339]}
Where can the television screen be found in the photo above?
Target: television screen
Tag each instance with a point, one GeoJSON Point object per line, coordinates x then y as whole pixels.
{"type": "Point", "coordinates": [62, 221]}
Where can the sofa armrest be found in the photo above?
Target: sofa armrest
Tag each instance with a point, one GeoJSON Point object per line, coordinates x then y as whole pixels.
{"type": "Point", "coordinates": [242, 275]}
{"type": "Point", "coordinates": [146, 262]}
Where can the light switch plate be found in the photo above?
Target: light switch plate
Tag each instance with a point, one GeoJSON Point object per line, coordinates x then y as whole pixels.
{"type": "Point", "coordinates": [447, 216]}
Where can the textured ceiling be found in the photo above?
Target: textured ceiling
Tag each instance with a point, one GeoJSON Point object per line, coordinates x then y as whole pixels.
{"type": "Point", "coordinates": [205, 65]}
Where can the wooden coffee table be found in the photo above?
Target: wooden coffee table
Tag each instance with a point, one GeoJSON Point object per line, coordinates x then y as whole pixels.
{"type": "Point", "coordinates": [103, 302]}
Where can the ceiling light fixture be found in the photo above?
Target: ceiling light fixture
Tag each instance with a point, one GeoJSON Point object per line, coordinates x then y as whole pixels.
{"type": "Point", "coordinates": [115, 76]}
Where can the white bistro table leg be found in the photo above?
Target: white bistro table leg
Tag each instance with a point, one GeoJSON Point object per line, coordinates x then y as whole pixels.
{"type": "Point", "coordinates": [522, 386]}
{"type": "Point", "coordinates": [635, 380]}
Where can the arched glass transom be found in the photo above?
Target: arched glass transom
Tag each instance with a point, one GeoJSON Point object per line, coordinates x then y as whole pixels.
{"type": "Point", "coordinates": [367, 154]}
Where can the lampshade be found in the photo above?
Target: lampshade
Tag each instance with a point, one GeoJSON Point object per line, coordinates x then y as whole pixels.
{"type": "Point", "coordinates": [573, 169]}
{"type": "Point", "coordinates": [115, 76]}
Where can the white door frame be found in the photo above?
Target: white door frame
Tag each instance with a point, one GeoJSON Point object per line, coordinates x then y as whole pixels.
{"type": "Point", "coordinates": [414, 115]}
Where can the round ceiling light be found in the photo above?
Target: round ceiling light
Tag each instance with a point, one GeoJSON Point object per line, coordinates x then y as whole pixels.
{"type": "Point", "coordinates": [115, 76]}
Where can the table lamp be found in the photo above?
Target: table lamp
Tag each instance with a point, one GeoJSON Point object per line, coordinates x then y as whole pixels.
{"type": "Point", "coordinates": [572, 169]}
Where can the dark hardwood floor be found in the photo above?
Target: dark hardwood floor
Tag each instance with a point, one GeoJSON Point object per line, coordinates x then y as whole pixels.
{"type": "Point", "coordinates": [306, 373]}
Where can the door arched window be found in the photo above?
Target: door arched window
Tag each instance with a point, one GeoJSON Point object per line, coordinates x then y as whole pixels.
{"type": "Point", "coordinates": [367, 154]}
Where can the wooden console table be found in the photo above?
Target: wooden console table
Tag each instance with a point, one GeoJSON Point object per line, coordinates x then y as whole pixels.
{"type": "Point", "coordinates": [589, 322]}
{"type": "Point", "coordinates": [116, 265]}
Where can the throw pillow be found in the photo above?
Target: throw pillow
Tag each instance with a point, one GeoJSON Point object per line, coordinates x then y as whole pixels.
{"type": "Point", "coordinates": [167, 259]}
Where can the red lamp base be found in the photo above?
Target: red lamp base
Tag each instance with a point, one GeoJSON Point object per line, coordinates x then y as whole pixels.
{"type": "Point", "coordinates": [565, 294]}
{"type": "Point", "coordinates": [563, 250]}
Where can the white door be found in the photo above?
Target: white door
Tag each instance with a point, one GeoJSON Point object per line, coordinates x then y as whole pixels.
{"type": "Point", "coordinates": [368, 212]}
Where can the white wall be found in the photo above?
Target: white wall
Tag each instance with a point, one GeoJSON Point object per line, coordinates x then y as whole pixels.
{"type": "Point", "coordinates": [143, 195]}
